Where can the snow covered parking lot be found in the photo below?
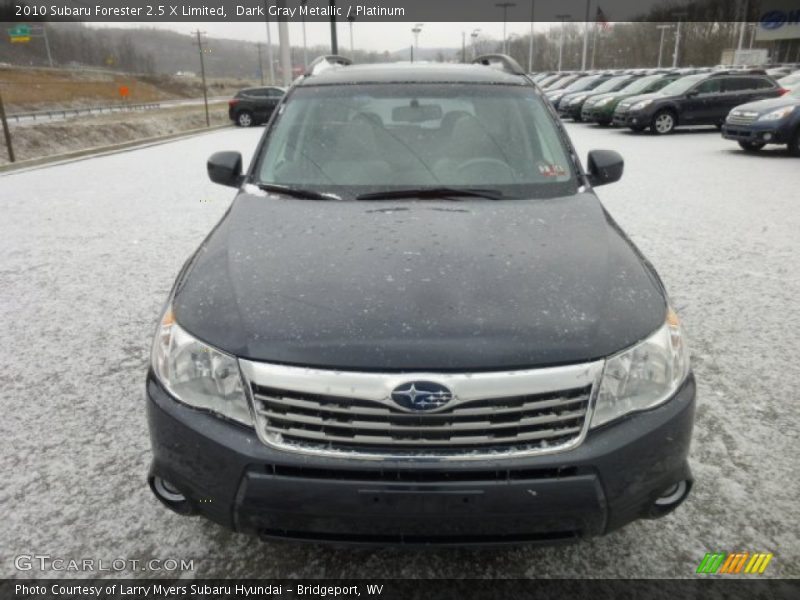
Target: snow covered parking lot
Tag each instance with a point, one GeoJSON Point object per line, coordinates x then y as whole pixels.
{"type": "Point", "coordinates": [89, 252]}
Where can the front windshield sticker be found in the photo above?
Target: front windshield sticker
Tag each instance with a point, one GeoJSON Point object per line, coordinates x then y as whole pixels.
{"type": "Point", "coordinates": [548, 170]}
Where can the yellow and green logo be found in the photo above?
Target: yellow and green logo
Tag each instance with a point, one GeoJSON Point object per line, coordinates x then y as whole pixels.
{"type": "Point", "coordinates": [735, 563]}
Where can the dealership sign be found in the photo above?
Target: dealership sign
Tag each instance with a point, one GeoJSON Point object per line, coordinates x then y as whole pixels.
{"type": "Point", "coordinates": [779, 21]}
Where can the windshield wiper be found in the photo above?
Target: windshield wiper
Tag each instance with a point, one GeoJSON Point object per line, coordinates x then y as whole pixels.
{"type": "Point", "coordinates": [435, 192]}
{"type": "Point", "coordinates": [296, 192]}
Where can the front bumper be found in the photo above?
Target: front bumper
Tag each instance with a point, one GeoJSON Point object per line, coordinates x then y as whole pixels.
{"type": "Point", "coordinates": [594, 114]}
{"type": "Point", "coordinates": [570, 111]}
{"type": "Point", "coordinates": [638, 119]}
{"type": "Point", "coordinates": [768, 132]}
{"type": "Point", "coordinates": [228, 475]}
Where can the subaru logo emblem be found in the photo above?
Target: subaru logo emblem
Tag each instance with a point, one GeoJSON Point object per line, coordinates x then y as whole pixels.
{"type": "Point", "coordinates": [774, 19]}
{"type": "Point", "coordinates": [421, 395]}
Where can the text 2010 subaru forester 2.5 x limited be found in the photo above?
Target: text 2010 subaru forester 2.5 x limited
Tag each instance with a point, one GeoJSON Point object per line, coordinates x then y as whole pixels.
{"type": "Point", "coordinates": [416, 323]}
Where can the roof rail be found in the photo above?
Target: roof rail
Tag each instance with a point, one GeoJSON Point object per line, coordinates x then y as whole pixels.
{"type": "Point", "coordinates": [509, 64]}
{"type": "Point", "coordinates": [321, 63]}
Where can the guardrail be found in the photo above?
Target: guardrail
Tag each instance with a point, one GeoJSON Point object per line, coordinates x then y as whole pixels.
{"type": "Point", "coordinates": [65, 112]}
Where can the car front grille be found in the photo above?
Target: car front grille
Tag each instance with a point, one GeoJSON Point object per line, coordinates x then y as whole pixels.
{"type": "Point", "coordinates": [741, 118]}
{"type": "Point", "coordinates": [541, 411]}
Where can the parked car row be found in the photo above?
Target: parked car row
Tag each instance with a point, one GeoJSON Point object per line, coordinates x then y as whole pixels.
{"type": "Point", "coordinates": [747, 105]}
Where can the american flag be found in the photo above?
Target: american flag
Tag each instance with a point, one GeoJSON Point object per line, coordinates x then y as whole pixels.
{"type": "Point", "coordinates": [601, 20]}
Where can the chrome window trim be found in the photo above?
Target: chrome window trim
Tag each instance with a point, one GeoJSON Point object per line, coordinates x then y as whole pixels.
{"type": "Point", "coordinates": [377, 387]}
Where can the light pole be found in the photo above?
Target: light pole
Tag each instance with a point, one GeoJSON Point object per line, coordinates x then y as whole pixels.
{"type": "Point", "coordinates": [305, 48]}
{"type": "Point", "coordinates": [677, 39]}
{"type": "Point", "coordinates": [416, 30]}
{"type": "Point", "coordinates": [350, 20]}
{"type": "Point", "coordinates": [530, 42]}
{"type": "Point", "coordinates": [563, 19]}
{"type": "Point", "coordinates": [334, 40]}
{"type": "Point", "coordinates": [283, 38]}
{"type": "Point", "coordinates": [505, 6]}
{"type": "Point", "coordinates": [663, 29]}
{"type": "Point", "coordinates": [585, 37]}
{"type": "Point", "coordinates": [474, 36]}
{"type": "Point", "coordinates": [745, 10]}
{"type": "Point", "coordinates": [260, 62]}
{"type": "Point", "coordinates": [269, 45]}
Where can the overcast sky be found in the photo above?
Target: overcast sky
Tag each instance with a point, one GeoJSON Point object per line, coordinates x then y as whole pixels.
{"type": "Point", "coordinates": [366, 36]}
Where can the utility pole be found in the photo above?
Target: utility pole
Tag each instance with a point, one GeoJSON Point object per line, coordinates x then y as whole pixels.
{"type": "Point", "coordinates": [283, 40]}
{"type": "Point", "coordinates": [200, 48]}
{"type": "Point", "coordinates": [6, 131]}
{"type": "Point", "coordinates": [47, 45]}
{"type": "Point", "coordinates": [563, 19]}
{"type": "Point", "coordinates": [585, 36]}
{"type": "Point", "coordinates": [305, 47]}
{"type": "Point", "coordinates": [260, 62]}
{"type": "Point", "coordinates": [334, 42]}
{"type": "Point", "coordinates": [530, 42]}
{"type": "Point", "coordinates": [663, 29]}
{"type": "Point", "coordinates": [270, 58]}
{"type": "Point", "coordinates": [505, 6]}
{"type": "Point", "coordinates": [464, 47]}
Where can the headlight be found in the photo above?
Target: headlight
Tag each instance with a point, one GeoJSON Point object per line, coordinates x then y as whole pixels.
{"type": "Point", "coordinates": [644, 376]}
{"type": "Point", "coordinates": [641, 105]}
{"type": "Point", "coordinates": [197, 374]}
{"type": "Point", "coordinates": [776, 115]}
{"type": "Point", "coordinates": [577, 99]}
{"type": "Point", "coordinates": [603, 102]}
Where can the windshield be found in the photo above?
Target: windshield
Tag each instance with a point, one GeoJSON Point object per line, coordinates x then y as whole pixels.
{"type": "Point", "coordinates": [612, 84]}
{"type": "Point", "coordinates": [562, 83]}
{"type": "Point", "coordinates": [582, 84]}
{"type": "Point", "coordinates": [353, 140]}
{"type": "Point", "coordinates": [681, 85]}
{"type": "Point", "coordinates": [640, 85]}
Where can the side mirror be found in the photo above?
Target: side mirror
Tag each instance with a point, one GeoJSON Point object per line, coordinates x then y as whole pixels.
{"type": "Point", "coordinates": [692, 94]}
{"type": "Point", "coordinates": [225, 168]}
{"type": "Point", "coordinates": [605, 166]}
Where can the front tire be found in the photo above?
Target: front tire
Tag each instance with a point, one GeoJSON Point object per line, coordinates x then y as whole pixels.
{"type": "Point", "coordinates": [663, 123]}
{"type": "Point", "coordinates": [751, 146]}
{"type": "Point", "coordinates": [245, 119]}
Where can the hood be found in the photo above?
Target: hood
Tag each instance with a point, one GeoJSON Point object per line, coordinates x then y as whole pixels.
{"type": "Point", "coordinates": [631, 100]}
{"type": "Point", "coordinates": [405, 285]}
{"type": "Point", "coordinates": [765, 106]}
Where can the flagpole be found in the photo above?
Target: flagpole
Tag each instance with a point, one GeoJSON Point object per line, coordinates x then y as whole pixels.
{"type": "Point", "coordinates": [594, 44]}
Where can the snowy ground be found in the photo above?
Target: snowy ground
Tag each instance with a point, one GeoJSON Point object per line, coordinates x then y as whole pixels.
{"type": "Point", "coordinates": [90, 249]}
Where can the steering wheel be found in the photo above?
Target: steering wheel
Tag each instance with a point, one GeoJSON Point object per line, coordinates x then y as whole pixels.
{"type": "Point", "coordinates": [489, 162]}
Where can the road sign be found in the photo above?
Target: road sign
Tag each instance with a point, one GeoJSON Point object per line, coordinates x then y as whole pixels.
{"type": "Point", "coordinates": [124, 91]}
{"type": "Point", "coordinates": [20, 34]}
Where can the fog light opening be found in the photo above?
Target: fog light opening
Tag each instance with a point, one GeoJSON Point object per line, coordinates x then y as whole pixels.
{"type": "Point", "coordinates": [170, 496]}
{"type": "Point", "coordinates": [167, 491]}
{"type": "Point", "coordinates": [766, 137]}
{"type": "Point", "coordinates": [672, 495]}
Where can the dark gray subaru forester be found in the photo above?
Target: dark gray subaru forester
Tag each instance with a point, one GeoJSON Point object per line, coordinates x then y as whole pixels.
{"type": "Point", "coordinates": [417, 324]}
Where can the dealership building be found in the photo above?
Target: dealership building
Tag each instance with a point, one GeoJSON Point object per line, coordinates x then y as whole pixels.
{"type": "Point", "coordinates": [778, 28]}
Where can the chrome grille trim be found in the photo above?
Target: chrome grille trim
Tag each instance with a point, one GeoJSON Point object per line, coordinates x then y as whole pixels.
{"type": "Point", "coordinates": [742, 118]}
{"type": "Point", "coordinates": [351, 414]}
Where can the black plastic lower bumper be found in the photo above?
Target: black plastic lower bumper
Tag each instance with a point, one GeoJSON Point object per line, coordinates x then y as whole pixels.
{"type": "Point", "coordinates": [231, 477]}
{"type": "Point", "coordinates": [756, 133]}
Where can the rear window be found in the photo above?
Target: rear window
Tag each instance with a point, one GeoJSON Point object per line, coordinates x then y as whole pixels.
{"type": "Point", "coordinates": [351, 140]}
